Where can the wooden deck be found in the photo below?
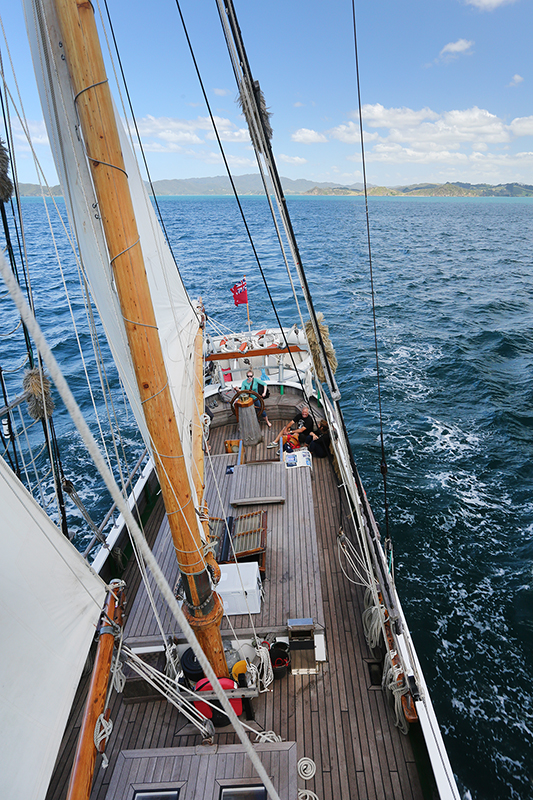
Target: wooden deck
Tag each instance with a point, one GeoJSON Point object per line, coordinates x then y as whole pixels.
{"type": "Point", "coordinates": [336, 717]}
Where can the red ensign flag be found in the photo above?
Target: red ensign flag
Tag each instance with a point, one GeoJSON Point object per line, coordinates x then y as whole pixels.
{"type": "Point", "coordinates": [240, 293]}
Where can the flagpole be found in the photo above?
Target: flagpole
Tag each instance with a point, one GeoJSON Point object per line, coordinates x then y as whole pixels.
{"type": "Point", "coordinates": [247, 307]}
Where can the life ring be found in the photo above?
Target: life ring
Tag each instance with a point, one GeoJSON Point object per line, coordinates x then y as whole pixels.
{"type": "Point", "coordinates": [266, 339]}
{"type": "Point", "coordinates": [243, 347]}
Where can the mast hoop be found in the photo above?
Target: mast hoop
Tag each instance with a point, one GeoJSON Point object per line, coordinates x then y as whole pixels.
{"type": "Point", "coordinates": [106, 164]}
{"type": "Point", "coordinates": [86, 88]}
{"type": "Point", "coordinates": [125, 249]}
{"type": "Point", "coordinates": [161, 390]}
{"type": "Point", "coordinates": [143, 325]}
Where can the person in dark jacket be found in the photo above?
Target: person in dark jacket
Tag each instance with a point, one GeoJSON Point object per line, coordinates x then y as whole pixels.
{"type": "Point", "coordinates": [318, 443]}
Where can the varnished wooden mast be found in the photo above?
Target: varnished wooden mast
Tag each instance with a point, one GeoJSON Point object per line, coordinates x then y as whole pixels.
{"type": "Point", "coordinates": [81, 776]}
{"type": "Point", "coordinates": [81, 49]}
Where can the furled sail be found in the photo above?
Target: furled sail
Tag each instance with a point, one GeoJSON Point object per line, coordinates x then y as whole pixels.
{"type": "Point", "coordinates": [176, 316]}
{"type": "Point", "coordinates": [50, 603]}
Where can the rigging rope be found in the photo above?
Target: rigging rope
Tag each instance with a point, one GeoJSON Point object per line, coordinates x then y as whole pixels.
{"type": "Point", "coordinates": [139, 141]}
{"type": "Point", "coordinates": [136, 533]}
{"type": "Point", "coordinates": [383, 464]}
{"type": "Point", "coordinates": [235, 193]}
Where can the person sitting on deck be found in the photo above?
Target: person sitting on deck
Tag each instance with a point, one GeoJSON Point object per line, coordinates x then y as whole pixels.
{"type": "Point", "coordinates": [318, 443]}
{"type": "Point", "coordinates": [302, 426]}
{"type": "Point", "coordinates": [251, 384]}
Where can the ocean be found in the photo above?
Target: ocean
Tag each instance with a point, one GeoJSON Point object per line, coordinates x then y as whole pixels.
{"type": "Point", "coordinates": [453, 285]}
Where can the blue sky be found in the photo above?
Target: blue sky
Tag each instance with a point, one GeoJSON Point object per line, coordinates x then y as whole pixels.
{"type": "Point", "coordinates": [446, 88]}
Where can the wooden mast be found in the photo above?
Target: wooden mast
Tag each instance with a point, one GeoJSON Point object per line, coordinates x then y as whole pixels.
{"type": "Point", "coordinates": [81, 776]}
{"type": "Point", "coordinates": [81, 48]}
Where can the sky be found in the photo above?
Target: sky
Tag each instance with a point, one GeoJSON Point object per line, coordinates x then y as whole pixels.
{"type": "Point", "coordinates": [446, 88]}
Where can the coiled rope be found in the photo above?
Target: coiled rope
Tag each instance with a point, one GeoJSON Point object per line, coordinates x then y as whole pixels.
{"type": "Point", "coordinates": [306, 768]}
{"type": "Point", "coordinates": [372, 622]}
{"type": "Point", "coordinates": [397, 689]}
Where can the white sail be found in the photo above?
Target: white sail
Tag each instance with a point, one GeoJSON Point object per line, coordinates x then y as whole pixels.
{"type": "Point", "coordinates": [176, 318]}
{"type": "Point", "coordinates": [49, 607]}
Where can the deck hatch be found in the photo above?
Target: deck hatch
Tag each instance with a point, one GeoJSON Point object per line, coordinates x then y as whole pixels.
{"type": "Point", "coordinates": [243, 538]}
{"type": "Point", "coordinates": [257, 484]}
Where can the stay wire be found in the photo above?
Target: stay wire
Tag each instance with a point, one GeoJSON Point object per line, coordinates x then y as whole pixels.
{"type": "Point", "coordinates": [141, 148]}
{"type": "Point", "coordinates": [383, 464]}
{"type": "Point", "coordinates": [236, 195]}
{"type": "Point", "coordinates": [7, 234]}
{"type": "Point", "coordinates": [48, 427]}
{"type": "Point", "coordinates": [276, 182]}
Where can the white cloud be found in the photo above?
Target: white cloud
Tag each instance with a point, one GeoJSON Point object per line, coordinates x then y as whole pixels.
{"type": "Point", "coordinates": [307, 136]}
{"type": "Point", "coordinates": [350, 134]}
{"type": "Point", "coordinates": [298, 104]}
{"type": "Point", "coordinates": [226, 135]}
{"type": "Point", "coordinates": [488, 5]}
{"type": "Point", "coordinates": [172, 134]}
{"type": "Point", "coordinates": [426, 130]}
{"type": "Point", "coordinates": [453, 49]}
{"type": "Point", "coordinates": [515, 80]}
{"type": "Point", "coordinates": [221, 92]}
{"type": "Point", "coordinates": [292, 159]}
{"type": "Point", "coordinates": [395, 153]}
{"type": "Point", "coordinates": [451, 144]}
{"type": "Point", "coordinates": [454, 145]}
{"type": "Point", "coordinates": [377, 116]}
{"type": "Point", "coordinates": [522, 126]}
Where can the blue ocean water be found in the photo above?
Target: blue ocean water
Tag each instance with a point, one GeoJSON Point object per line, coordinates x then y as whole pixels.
{"type": "Point", "coordinates": [454, 305]}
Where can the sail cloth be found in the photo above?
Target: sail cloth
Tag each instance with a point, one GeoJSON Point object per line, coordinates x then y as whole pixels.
{"type": "Point", "coordinates": [176, 318]}
{"type": "Point", "coordinates": [50, 603]}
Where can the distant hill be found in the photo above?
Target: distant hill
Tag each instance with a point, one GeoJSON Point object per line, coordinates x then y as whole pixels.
{"type": "Point", "coordinates": [245, 184]}
{"type": "Point", "coordinates": [432, 190]}
{"type": "Point", "coordinates": [34, 190]}
{"type": "Point", "coordinates": [251, 185]}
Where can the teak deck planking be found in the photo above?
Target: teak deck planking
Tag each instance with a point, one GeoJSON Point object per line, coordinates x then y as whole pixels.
{"type": "Point", "coordinates": [335, 716]}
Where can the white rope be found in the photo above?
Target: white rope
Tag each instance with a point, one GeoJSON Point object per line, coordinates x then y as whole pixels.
{"type": "Point", "coordinates": [102, 732]}
{"type": "Point", "coordinates": [170, 690]}
{"type": "Point", "coordinates": [307, 794]}
{"type": "Point", "coordinates": [306, 768]}
{"type": "Point", "coordinates": [267, 737]}
{"type": "Point", "coordinates": [398, 689]}
{"type": "Point", "coordinates": [354, 561]}
{"type": "Point", "coordinates": [162, 583]}
{"type": "Point", "coordinates": [264, 670]}
{"type": "Point", "coordinates": [373, 617]}
{"type": "Point", "coordinates": [119, 679]}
